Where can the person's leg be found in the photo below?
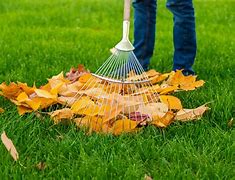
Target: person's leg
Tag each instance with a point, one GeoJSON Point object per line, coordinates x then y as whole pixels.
{"type": "Point", "coordinates": [144, 30]}
{"type": "Point", "coordinates": [184, 34]}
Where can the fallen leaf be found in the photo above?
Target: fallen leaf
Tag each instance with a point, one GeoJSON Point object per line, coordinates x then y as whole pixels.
{"type": "Point", "coordinates": [10, 91]}
{"type": "Point", "coordinates": [152, 109]}
{"type": "Point", "coordinates": [111, 113]}
{"type": "Point", "coordinates": [75, 73]}
{"type": "Point", "coordinates": [137, 116]}
{"type": "Point", "coordinates": [191, 114]}
{"type": "Point", "coordinates": [44, 94]}
{"type": "Point", "coordinates": [85, 77]}
{"type": "Point", "coordinates": [44, 102]}
{"type": "Point", "coordinates": [185, 82]}
{"type": "Point", "coordinates": [95, 124]}
{"type": "Point", "coordinates": [152, 73]}
{"type": "Point", "coordinates": [22, 110]}
{"type": "Point", "coordinates": [164, 121]}
{"type": "Point", "coordinates": [41, 166]}
{"type": "Point", "coordinates": [25, 88]}
{"type": "Point", "coordinates": [124, 125]}
{"type": "Point", "coordinates": [168, 89]}
{"type": "Point", "coordinates": [22, 97]}
{"type": "Point", "coordinates": [1, 110]}
{"type": "Point", "coordinates": [146, 177]}
{"type": "Point", "coordinates": [81, 103]}
{"type": "Point", "coordinates": [9, 146]}
{"type": "Point", "coordinates": [61, 115]}
{"type": "Point", "coordinates": [171, 101]}
{"type": "Point", "coordinates": [157, 78]}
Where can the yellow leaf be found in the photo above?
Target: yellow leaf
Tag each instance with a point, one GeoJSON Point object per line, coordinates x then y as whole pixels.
{"type": "Point", "coordinates": [56, 89]}
{"type": "Point", "coordinates": [164, 121]}
{"type": "Point", "coordinates": [44, 94]}
{"type": "Point", "coordinates": [81, 103]}
{"type": "Point", "coordinates": [169, 89]}
{"type": "Point", "coordinates": [111, 113]}
{"type": "Point", "coordinates": [84, 78]}
{"type": "Point", "coordinates": [124, 125]}
{"type": "Point", "coordinates": [62, 114]}
{"type": "Point", "coordinates": [44, 102]}
{"type": "Point", "coordinates": [153, 109]}
{"type": "Point", "coordinates": [22, 97]}
{"type": "Point", "coordinates": [33, 104]}
{"type": "Point", "coordinates": [89, 110]}
{"type": "Point", "coordinates": [22, 110]}
{"type": "Point", "coordinates": [94, 123]}
{"type": "Point", "coordinates": [191, 114]}
{"type": "Point", "coordinates": [68, 101]}
{"type": "Point", "coordinates": [10, 91]}
{"type": "Point", "coordinates": [28, 90]}
{"type": "Point", "coordinates": [171, 101]}
{"type": "Point", "coordinates": [152, 73]}
{"type": "Point", "coordinates": [9, 146]}
{"type": "Point", "coordinates": [157, 78]}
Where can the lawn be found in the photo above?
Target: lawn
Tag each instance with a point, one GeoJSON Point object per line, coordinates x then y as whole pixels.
{"type": "Point", "coordinates": [41, 38]}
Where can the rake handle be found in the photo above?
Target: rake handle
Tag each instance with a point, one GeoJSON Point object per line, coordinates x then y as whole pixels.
{"type": "Point", "coordinates": [127, 10]}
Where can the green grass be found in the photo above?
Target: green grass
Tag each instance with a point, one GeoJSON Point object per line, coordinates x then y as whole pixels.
{"type": "Point", "coordinates": [41, 38]}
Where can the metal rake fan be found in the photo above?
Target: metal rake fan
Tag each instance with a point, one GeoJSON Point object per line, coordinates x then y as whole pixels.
{"type": "Point", "coordinates": [119, 95]}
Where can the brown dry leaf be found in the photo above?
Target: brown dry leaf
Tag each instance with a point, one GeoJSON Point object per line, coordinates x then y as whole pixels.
{"type": "Point", "coordinates": [61, 115]}
{"type": "Point", "coordinates": [1, 110]}
{"type": "Point", "coordinates": [171, 101]}
{"type": "Point", "coordinates": [124, 125]}
{"type": "Point", "coordinates": [164, 121]}
{"type": "Point", "coordinates": [74, 74]}
{"type": "Point", "coordinates": [41, 166]}
{"type": "Point", "coordinates": [9, 146]}
{"type": "Point", "coordinates": [191, 114]}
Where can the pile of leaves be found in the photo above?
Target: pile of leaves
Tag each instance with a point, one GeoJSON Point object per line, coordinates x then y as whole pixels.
{"type": "Point", "coordinates": [89, 106]}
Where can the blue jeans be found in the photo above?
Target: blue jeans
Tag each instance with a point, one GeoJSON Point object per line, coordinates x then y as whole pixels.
{"type": "Point", "coordinates": [184, 32]}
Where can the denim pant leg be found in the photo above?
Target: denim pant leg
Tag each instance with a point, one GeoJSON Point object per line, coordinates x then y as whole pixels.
{"type": "Point", "coordinates": [184, 34]}
{"type": "Point", "coordinates": [144, 30]}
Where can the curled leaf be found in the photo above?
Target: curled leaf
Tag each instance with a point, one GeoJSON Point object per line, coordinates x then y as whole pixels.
{"type": "Point", "coordinates": [191, 114]}
{"type": "Point", "coordinates": [164, 121]}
